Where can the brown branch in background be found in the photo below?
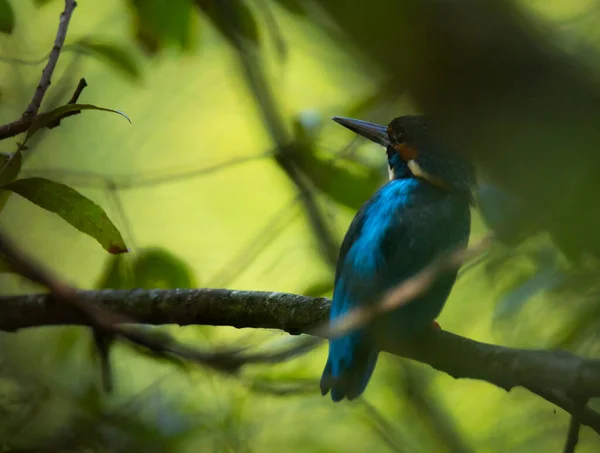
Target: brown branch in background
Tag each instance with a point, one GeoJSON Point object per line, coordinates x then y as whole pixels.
{"type": "Point", "coordinates": [44, 83]}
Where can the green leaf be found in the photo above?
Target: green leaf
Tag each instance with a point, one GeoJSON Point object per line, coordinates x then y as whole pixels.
{"type": "Point", "coordinates": [159, 268]}
{"type": "Point", "coordinates": [10, 166]}
{"type": "Point", "coordinates": [79, 211]}
{"type": "Point", "coordinates": [39, 3]}
{"type": "Point", "coordinates": [348, 183]}
{"type": "Point", "coordinates": [7, 17]}
{"type": "Point", "coordinates": [49, 117]}
{"type": "Point", "coordinates": [234, 19]}
{"type": "Point", "coordinates": [116, 274]}
{"type": "Point", "coordinates": [159, 23]}
{"type": "Point", "coordinates": [151, 268]}
{"type": "Point", "coordinates": [116, 56]}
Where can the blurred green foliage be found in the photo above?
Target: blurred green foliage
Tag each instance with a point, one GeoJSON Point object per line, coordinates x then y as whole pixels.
{"type": "Point", "coordinates": [117, 56]}
{"type": "Point", "coordinates": [221, 85]}
{"type": "Point", "coordinates": [149, 268]}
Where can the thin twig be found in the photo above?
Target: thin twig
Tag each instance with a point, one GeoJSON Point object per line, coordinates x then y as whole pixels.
{"type": "Point", "coordinates": [74, 98]}
{"type": "Point", "coordinates": [24, 123]}
{"type": "Point", "coordinates": [587, 416]}
{"type": "Point", "coordinates": [91, 179]}
{"type": "Point", "coordinates": [574, 425]}
{"type": "Point", "coordinates": [44, 83]}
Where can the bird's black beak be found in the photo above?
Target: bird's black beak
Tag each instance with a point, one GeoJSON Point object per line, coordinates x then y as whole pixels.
{"type": "Point", "coordinates": [374, 132]}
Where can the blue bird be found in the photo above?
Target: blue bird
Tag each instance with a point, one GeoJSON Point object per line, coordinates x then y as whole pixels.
{"type": "Point", "coordinates": [422, 212]}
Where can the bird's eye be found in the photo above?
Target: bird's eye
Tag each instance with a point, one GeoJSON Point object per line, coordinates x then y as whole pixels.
{"type": "Point", "coordinates": [395, 135]}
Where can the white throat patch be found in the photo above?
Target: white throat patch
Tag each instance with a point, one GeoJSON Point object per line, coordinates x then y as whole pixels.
{"type": "Point", "coordinates": [416, 170]}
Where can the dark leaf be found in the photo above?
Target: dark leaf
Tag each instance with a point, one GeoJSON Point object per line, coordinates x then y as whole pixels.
{"type": "Point", "coordinates": [10, 165]}
{"type": "Point", "coordinates": [7, 17]}
{"type": "Point", "coordinates": [502, 212]}
{"type": "Point", "coordinates": [117, 56]}
{"type": "Point", "coordinates": [79, 211]}
{"type": "Point", "coordinates": [348, 183]}
{"type": "Point", "coordinates": [50, 117]}
{"type": "Point", "coordinates": [159, 23]}
{"type": "Point", "coordinates": [234, 19]}
{"type": "Point", "coordinates": [159, 268]}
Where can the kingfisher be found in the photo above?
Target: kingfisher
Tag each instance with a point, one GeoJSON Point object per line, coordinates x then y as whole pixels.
{"type": "Point", "coordinates": [423, 211]}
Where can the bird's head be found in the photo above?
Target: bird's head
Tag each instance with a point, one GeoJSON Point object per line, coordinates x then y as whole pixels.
{"type": "Point", "coordinates": [412, 151]}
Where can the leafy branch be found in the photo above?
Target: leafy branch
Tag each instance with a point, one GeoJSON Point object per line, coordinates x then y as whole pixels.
{"type": "Point", "coordinates": [72, 206]}
{"type": "Point", "coordinates": [24, 123]}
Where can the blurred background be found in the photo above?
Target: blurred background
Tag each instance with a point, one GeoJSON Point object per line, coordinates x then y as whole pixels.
{"type": "Point", "coordinates": [232, 175]}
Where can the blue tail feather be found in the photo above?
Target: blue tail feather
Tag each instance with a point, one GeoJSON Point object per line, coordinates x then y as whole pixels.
{"type": "Point", "coordinates": [349, 367]}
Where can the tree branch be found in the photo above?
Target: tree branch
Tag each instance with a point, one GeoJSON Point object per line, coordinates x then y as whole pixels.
{"type": "Point", "coordinates": [108, 324]}
{"type": "Point", "coordinates": [24, 123]}
{"type": "Point", "coordinates": [536, 370]}
{"type": "Point", "coordinates": [16, 127]}
{"type": "Point", "coordinates": [44, 83]}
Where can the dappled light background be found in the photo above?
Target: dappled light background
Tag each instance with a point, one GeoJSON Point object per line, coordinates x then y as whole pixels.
{"type": "Point", "coordinates": [193, 180]}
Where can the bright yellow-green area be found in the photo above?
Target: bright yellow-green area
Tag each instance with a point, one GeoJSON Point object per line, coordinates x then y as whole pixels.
{"type": "Point", "coordinates": [192, 112]}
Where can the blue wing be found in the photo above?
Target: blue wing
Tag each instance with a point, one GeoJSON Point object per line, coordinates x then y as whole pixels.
{"type": "Point", "coordinates": [400, 230]}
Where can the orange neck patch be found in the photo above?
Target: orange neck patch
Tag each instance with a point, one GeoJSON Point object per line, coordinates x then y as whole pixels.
{"type": "Point", "coordinates": [406, 152]}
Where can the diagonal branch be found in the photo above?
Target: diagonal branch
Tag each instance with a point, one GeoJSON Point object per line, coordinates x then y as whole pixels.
{"type": "Point", "coordinates": [44, 83]}
{"type": "Point", "coordinates": [24, 123]}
